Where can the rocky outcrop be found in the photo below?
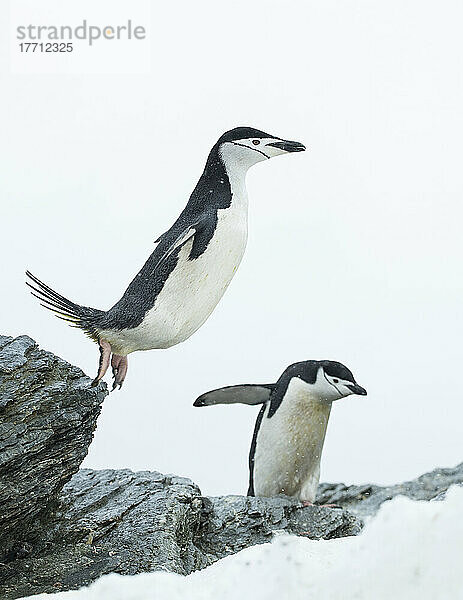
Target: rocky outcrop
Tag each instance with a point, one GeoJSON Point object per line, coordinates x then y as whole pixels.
{"type": "Point", "coordinates": [54, 537]}
{"type": "Point", "coordinates": [48, 413]}
{"type": "Point", "coordinates": [128, 523]}
{"type": "Point", "coordinates": [365, 500]}
{"type": "Point", "coordinates": [57, 538]}
{"type": "Point", "coordinates": [110, 521]}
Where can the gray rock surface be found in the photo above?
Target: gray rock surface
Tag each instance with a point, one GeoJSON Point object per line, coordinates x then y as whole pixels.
{"type": "Point", "coordinates": [231, 523]}
{"type": "Point", "coordinates": [120, 521]}
{"type": "Point", "coordinates": [48, 413]}
{"type": "Point", "coordinates": [365, 500]}
{"type": "Point", "coordinates": [110, 521]}
{"type": "Point", "coordinates": [56, 538]}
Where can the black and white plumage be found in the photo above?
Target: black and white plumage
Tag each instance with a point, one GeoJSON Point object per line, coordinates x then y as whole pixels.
{"type": "Point", "coordinates": [290, 429]}
{"type": "Point", "coordinates": [191, 267]}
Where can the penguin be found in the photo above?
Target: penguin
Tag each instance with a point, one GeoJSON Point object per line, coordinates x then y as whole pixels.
{"type": "Point", "coordinates": [290, 429]}
{"type": "Point", "coordinates": [191, 266]}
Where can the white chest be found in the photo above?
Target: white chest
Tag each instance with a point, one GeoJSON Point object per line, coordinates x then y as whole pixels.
{"type": "Point", "coordinates": [289, 445]}
{"type": "Point", "coordinates": [193, 289]}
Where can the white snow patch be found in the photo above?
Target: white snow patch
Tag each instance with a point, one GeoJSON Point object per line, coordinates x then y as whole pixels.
{"type": "Point", "coordinates": [410, 550]}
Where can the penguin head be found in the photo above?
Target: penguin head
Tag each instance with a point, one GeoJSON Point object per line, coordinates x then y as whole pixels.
{"type": "Point", "coordinates": [328, 380]}
{"type": "Point", "coordinates": [245, 146]}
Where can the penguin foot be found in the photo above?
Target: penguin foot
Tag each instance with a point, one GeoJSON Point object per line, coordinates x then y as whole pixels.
{"type": "Point", "coordinates": [119, 366]}
{"type": "Point", "coordinates": [105, 355]}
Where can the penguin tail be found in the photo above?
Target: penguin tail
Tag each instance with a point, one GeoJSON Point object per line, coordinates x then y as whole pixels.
{"type": "Point", "coordinates": [83, 317]}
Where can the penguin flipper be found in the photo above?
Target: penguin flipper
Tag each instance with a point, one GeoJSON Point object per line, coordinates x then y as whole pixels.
{"type": "Point", "coordinates": [237, 394]}
{"type": "Point", "coordinates": [185, 234]}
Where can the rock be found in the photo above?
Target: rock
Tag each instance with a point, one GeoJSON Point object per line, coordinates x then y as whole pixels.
{"type": "Point", "coordinates": [365, 500]}
{"type": "Point", "coordinates": [124, 522]}
{"type": "Point", "coordinates": [111, 521]}
{"type": "Point", "coordinates": [231, 523]}
{"type": "Point", "coordinates": [58, 538]}
{"type": "Point", "coordinates": [48, 413]}
{"type": "Point", "coordinates": [54, 537]}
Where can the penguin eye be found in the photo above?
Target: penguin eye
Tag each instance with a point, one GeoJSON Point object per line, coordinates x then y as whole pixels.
{"type": "Point", "coordinates": [335, 380]}
{"type": "Point", "coordinates": [256, 142]}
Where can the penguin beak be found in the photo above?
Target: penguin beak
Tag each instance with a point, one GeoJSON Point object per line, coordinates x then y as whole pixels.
{"type": "Point", "coordinates": [288, 146]}
{"type": "Point", "coordinates": [357, 389]}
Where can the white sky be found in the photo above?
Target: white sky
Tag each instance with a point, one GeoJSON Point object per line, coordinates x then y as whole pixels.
{"type": "Point", "coordinates": [355, 247]}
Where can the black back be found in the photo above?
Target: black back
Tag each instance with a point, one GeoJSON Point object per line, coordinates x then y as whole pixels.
{"type": "Point", "coordinates": [252, 451]}
{"type": "Point", "coordinates": [212, 192]}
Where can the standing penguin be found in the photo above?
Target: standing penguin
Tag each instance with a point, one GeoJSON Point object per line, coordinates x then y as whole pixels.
{"type": "Point", "coordinates": [194, 261]}
{"type": "Point", "coordinates": [290, 429]}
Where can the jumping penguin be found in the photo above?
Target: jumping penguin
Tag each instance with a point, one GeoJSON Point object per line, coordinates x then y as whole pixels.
{"type": "Point", "coordinates": [290, 429]}
{"type": "Point", "coordinates": [191, 267]}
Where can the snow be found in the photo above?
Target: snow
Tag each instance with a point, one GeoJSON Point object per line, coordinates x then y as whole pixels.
{"type": "Point", "coordinates": [410, 550]}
